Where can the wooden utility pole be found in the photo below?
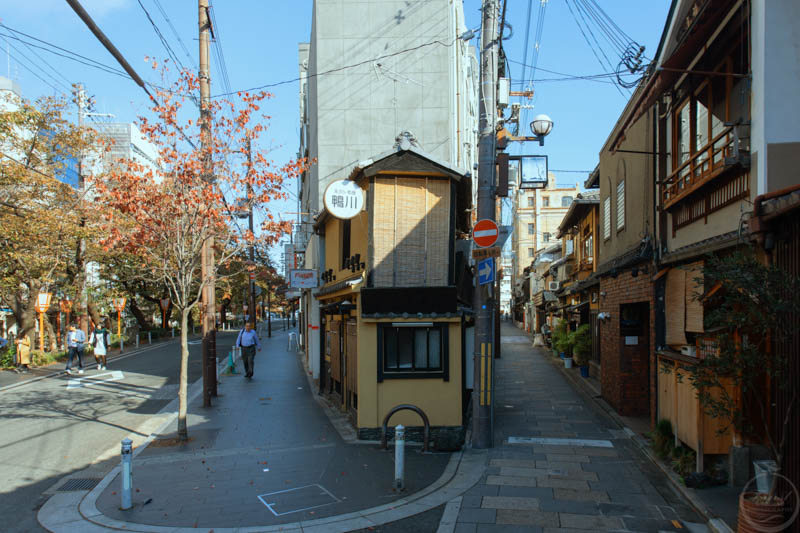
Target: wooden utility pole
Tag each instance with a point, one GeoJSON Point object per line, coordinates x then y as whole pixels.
{"type": "Point", "coordinates": [482, 390]}
{"type": "Point", "coordinates": [208, 266]}
{"type": "Point", "coordinates": [252, 246]}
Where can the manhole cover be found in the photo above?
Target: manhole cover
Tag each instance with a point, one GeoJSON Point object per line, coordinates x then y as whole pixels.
{"type": "Point", "coordinates": [296, 500]}
{"type": "Point", "coordinates": [77, 483]}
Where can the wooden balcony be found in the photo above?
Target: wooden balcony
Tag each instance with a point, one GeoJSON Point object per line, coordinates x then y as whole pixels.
{"type": "Point", "coordinates": [702, 167]}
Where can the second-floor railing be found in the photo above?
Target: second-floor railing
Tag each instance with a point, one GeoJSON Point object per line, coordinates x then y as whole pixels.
{"type": "Point", "coordinates": [700, 168]}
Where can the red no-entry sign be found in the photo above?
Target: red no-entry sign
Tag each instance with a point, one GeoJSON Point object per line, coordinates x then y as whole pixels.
{"type": "Point", "coordinates": [485, 233]}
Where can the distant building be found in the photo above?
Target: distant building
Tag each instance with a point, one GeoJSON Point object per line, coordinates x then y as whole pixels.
{"type": "Point", "coordinates": [128, 143]}
{"type": "Point", "coordinates": [396, 71]}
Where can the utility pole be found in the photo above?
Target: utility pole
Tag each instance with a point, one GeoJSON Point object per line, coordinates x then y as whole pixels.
{"type": "Point", "coordinates": [250, 224]}
{"type": "Point", "coordinates": [80, 99]}
{"type": "Point", "coordinates": [482, 388]}
{"type": "Point", "coordinates": [208, 266]}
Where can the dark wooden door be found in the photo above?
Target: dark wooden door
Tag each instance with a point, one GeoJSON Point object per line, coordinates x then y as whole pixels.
{"type": "Point", "coordinates": [634, 339]}
{"type": "Point", "coordinates": [351, 364]}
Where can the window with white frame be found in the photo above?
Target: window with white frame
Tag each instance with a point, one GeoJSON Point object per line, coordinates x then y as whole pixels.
{"type": "Point", "coordinates": [607, 218]}
{"type": "Point", "coordinates": [620, 205]}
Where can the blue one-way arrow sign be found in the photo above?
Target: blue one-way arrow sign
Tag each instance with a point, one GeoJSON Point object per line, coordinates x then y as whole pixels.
{"type": "Point", "coordinates": [486, 271]}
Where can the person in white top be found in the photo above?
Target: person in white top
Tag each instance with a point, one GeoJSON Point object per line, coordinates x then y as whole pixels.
{"type": "Point", "coordinates": [100, 343]}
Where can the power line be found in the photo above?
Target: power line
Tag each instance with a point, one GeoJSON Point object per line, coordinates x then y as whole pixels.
{"type": "Point", "coordinates": [26, 67]}
{"type": "Point", "coordinates": [93, 63]}
{"type": "Point", "coordinates": [164, 42]}
{"type": "Point", "coordinates": [339, 69]}
{"type": "Point", "coordinates": [175, 32]}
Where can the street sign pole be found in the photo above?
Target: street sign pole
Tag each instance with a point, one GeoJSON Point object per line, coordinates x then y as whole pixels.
{"type": "Point", "coordinates": [483, 360]}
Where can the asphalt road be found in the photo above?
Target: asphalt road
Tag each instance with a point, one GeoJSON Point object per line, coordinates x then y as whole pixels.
{"type": "Point", "coordinates": [65, 426]}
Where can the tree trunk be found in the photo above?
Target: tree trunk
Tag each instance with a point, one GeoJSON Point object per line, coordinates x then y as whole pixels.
{"type": "Point", "coordinates": [50, 332]}
{"type": "Point", "coordinates": [183, 434]}
{"type": "Point", "coordinates": [138, 314]}
{"type": "Point", "coordinates": [95, 316]}
{"type": "Point", "coordinates": [167, 316]}
{"type": "Point", "coordinates": [25, 313]}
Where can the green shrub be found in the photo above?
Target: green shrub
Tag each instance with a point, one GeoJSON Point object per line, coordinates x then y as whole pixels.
{"type": "Point", "coordinates": [561, 338]}
{"type": "Point", "coordinates": [581, 340]}
{"type": "Point", "coordinates": [663, 439]}
{"type": "Point", "coordinates": [683, 461]}
{"type": "Point", "coordinates": [7, 356]}
{"type": "Point", "coordinates": [40, 358]}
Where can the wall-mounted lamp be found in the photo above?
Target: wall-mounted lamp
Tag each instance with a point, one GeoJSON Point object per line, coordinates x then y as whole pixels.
{"type": "Point", "coordinates": [603, 294]}
{"type": "Point", "coordinates": [603, 316]}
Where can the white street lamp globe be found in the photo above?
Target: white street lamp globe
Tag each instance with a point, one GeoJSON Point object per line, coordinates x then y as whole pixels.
{"type": "Point", "coordinates": [541, 125]}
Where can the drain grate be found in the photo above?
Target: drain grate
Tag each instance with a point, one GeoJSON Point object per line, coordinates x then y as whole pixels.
{"type": "Point", "coordinates": [86, 483]}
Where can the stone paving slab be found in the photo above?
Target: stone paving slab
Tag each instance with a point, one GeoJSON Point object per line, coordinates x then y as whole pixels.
{"type": "Point", "coordinates": [543, 480]}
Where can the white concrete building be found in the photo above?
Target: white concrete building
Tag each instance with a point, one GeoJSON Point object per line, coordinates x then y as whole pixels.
{"type": "Point", "coordinates": [400, 68]}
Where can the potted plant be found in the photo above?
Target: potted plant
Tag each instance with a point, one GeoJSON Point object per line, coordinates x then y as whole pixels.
{"type": "Point", "coordinates": [752, 309]}
{"type": "Point", "coordinates": [564, 343]}
{"type": "Point", "coordinates": [561, 338]}
{"type": "Point", "coordinates": [582, 347]}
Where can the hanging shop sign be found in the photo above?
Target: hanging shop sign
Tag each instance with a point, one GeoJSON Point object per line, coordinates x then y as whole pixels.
{"type": "Point", "coordinates": [344, 199]}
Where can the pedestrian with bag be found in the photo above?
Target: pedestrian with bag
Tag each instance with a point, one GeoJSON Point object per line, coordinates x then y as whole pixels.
{"type": "Point", "coordinates": [23, 353]}
{"type": "Point", "coordinates": [248, 342]}
{"type": "Point", "coordinates": [75, 339]}
{"type": "Point", "coordinates": [100, 344]}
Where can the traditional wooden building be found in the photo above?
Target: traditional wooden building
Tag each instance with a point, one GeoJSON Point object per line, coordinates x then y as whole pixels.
{"type": "Point", "coordinates": [394, 316]}
{"type": "Point", "coordinates": [581, 291]}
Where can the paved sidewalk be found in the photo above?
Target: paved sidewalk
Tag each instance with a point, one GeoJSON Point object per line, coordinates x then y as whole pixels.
{"type": "Point", "coordinates": [264, 457]}
{"type": "Point", "coordinates": [558, 463]}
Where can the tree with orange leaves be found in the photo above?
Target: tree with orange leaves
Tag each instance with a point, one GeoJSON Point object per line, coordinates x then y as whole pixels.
{"type": "Point", "coordinates": [165, 214]}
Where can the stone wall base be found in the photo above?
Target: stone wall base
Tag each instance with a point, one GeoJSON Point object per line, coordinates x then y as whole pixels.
{"type": "Point", "coordinates": [442, 438]}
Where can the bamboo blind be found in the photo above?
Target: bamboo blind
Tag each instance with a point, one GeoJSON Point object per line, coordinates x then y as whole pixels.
{"type": "Point", "coordinates": [438, 232]}
{"type": "Point", "coordinates": [676, 306]}
{"type": "Point", "coordinates": [410, 232]}
{"type": "Point", "coordinates": [694, 307]}
{"type": "Point", "coordinates": [410, 235]}
{"type": "Point", "coordinates": [383, 232]}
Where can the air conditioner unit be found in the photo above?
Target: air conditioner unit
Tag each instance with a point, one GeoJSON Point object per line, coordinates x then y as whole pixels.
{"type": "Point", "coordinates": [554, 285]}
{"type": "Point", "coordinates": [690, 351]}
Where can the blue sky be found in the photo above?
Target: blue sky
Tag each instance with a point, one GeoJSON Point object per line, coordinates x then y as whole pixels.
{"type": "Point", "coordinates": [259, 41]}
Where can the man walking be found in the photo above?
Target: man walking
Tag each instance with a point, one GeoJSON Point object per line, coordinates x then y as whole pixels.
{"type": "Point", "coordinates": [248, 342]}
{"type": "Point", "coordinates": [75, 339]}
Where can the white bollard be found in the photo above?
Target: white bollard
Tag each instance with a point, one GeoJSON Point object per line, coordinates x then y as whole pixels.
{"type": "Point", "coordinates": [121, 345]}
{"type": "Point", "coordinates": [137, 341]}
{"type": "Point", "coordinates": [399, 456]}
{"type": "Point", "coordinates": [127, 480]}
{"type": "Point", "coordinates": [173, 332]}
{"type": "Point", "coordinates": [149, 337]}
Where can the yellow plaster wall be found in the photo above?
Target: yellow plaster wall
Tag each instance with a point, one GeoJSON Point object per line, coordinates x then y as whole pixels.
{"type": "Point", "coordinates": [439, 399]}
{"type": "Point", "coordinates": [333, 245]}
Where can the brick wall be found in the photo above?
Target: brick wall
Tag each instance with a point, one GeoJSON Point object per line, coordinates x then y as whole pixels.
{"type": "Point", "coordinates": [621, 384]}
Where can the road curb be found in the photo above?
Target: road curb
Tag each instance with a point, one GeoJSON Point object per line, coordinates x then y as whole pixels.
{"type": "Point", "coordinates": [111, 359]}
{"type": "Point", "coordinates": [714, 523]}
{"type": "Point", "coordinates": [78, 512]}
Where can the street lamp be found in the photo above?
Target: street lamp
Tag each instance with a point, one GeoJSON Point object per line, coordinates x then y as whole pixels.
{"type": "Point", "coordinates": [541, 126]}
{"type": "Point", "coordinates": [119, 305]}
{"type": "Point", "coordinates": [42, 305]}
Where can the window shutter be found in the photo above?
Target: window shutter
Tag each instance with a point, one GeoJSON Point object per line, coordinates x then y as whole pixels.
{"type": "Point", "coordinates": [675, 308]}
{"type": "Point", "coordinates": [607, 218]}
{"type": "Point", "coordinates": [694, 307]}
{"type": "Point", "coordinates": [621, 204]}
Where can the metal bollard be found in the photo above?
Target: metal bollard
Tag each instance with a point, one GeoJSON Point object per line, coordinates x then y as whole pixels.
{"type": "Point", "coordinates": [137, 341]}
{"type": "Point", "coordinates": [173, 332]}
{"type": "Point", "coordinates": [127, 480]}
{"type": "Point", "coordinates": [121, 345]}
{"type": "Point", "coordinates": [399, 456]}
{"type": "Point", "coordinates": [149, 338]}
